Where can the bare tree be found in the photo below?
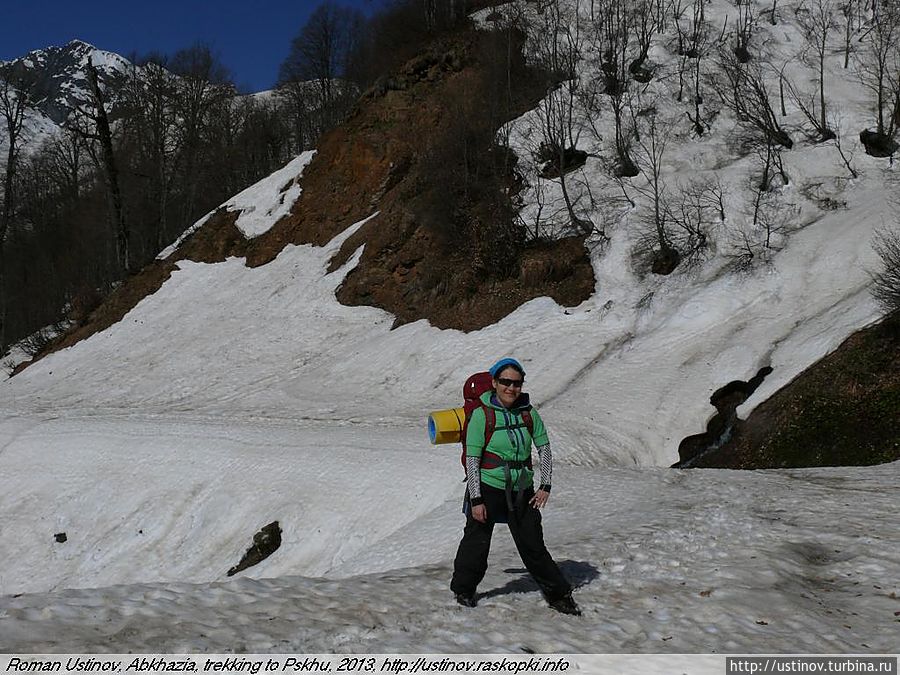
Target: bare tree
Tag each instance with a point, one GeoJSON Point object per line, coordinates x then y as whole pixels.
{"type": "Point", "coordinates": [693, 211]}
{"type": "Point", "coordinates": [694, 42]}
{"type": "Point", "coordinates": [699, 124]}
{"type": "Point", "coordinates": [202, 84]}
{"type": "Point", "coordinates": [770, 215]}
{"type": "Point", "coordinates": [744, 90]}
{"type": "Point", "coordinates": [140, 160]}
{"type": "Point", "coordinates": [879, 67]}
{"type": "Point", "coordinates": [93, 127]}
{"type": "Point", "coordinates": [645, 24]}
{"type": "Point", "coordinates": [848, 10]}
{"type": "Point", "coordinates": [692, 36]}
{"type": "Point", "coordinates": [770, 220]}
{"type": "Point", "coordinates": [817, 19]}
{"type": "Point", "coordinates": [771, 165]}
{"type": "Point", "coordinates": [774, 217]}
{"type": "Point", "coordinates": [150, 96]}
{"type": "Point", "coordinates": [103, 134]}
{"type": "Point", "coordinates": [441, 13]}
{"type": "Point", "coordinates": [838, 140]}
{"type": "Point", "coordinates": [611, 46]}
{"type": "Point", "coordinates": [678, 11]}
{"type": "Point", "coordinates": [320, 54]}
{"type": "Point", "coordinates": [15, 100]}
{"type": "Point", "coordinates": [745, 26]}
{"type": "Point", "coordinates": [743, 251]}
{"type": "Point", "coordinates": [886, 282]}
{"type": "Point", "coordinates": [67, 165]}
{"type": "Point", "coordinates": [558, 41]}
{"type": "Point", "coordinates": [809, 106]}
{"type": "Point", "coordinates": [300, 102]}
{"type": "Point", "coordinates": [651, 144]}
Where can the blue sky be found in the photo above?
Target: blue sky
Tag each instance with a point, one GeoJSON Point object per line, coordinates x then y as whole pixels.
{"type": "Point", "coordinates": [251, 37]}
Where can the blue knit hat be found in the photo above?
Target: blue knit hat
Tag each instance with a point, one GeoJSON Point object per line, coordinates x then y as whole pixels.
{"type": "Point", "coordinates": [498, 367]}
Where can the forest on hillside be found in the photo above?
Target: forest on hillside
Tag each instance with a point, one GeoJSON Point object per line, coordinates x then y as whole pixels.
{"type": "Point", "coordinates": [173, 139]}
{"type": "Point", "coordinates": [160, 145]}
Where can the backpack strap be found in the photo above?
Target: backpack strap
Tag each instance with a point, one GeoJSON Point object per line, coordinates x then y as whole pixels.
{"type": "Point", "coordinates": [529, 422]}
{"type": "Point", "coordinates": [488, 459]}
{"type": "Point", "coordinates": [490, 423]}
{"type": "Point", "coordinates": [491, 461]}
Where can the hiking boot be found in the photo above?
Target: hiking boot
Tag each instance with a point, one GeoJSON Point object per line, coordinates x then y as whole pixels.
{"type": "Point", "coordinates": [566, 605]}
{"type": "Point", "coordinates": [466, 600]}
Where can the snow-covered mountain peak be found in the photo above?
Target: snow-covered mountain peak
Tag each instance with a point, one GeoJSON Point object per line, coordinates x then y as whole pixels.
{"type": "Point", "coordinates": [57, 76]}
{"type": "Point", "coordinates": [56, 79]}
{"type": "Point", "coordinates": [79, 44]}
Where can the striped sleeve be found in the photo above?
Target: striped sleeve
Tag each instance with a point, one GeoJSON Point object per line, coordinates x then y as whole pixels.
{"type": "Point", "coordinates": [546, 457]}
{"type": "Point", "coordinates": [473, 475]}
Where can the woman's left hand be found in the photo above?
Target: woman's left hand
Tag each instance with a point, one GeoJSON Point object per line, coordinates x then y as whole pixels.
{"type": "Point", "coordinates": [540, 499]}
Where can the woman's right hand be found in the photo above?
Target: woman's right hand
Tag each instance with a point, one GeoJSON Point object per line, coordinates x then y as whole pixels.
{"type": "Point", "coordinates": [479, 513]}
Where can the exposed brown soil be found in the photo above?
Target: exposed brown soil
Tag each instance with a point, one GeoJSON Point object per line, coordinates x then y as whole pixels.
{"type": "Point", "coordinates": [403, 283]}
{"type": "Point", "coordinates": [379, 160]}
{"type": "Point", "coordinates": [842, 411]}
{"type": "Point", "coordinates": [431, 252]}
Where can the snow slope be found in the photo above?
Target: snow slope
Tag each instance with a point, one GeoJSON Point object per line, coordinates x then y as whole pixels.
{"type": "Point", "coordinates": [160, 448]}
{"type": "Point", "coordinates": [665, 561]}
{"type": "Point", "coordinates": [233, 397]}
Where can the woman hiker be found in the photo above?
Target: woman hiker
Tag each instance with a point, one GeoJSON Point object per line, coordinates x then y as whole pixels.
{"type": "Point", "coordinates": [500, 489]}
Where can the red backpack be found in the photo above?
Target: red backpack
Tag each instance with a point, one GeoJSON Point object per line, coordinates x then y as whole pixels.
{"type": "Point", "coordinates": [474, 387]}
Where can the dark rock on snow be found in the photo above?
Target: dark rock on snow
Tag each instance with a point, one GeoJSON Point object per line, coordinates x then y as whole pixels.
{"type": "Point", "coordinates": [265, 543]}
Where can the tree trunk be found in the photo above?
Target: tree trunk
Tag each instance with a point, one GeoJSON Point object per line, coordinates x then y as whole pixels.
{"type": "Point", "coordinates": [781, 94]}
{"type": "Point", "coordinates": [2, 291]}
{"type": "Point", "coordinates": [111, 172]}
{"type": "Point", "coordinates": [848, 14]}
{"type": "Point", "coordinates": [8, 187]}
{"type": "Point", "coordinates": [162, 200]}
{"type": "Point", "coordinates": [824, 121]}
{"type": "Point", "coordinates": [3, 230]}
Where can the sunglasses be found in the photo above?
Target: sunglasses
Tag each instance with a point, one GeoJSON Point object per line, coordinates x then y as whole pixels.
{"type": "Point", "coordinates": [506, 382]}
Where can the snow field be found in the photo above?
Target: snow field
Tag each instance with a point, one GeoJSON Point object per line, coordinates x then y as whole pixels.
{"type": "Point", "coordinates": [664, 562]}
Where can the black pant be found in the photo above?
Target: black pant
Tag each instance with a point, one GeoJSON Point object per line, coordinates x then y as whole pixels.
{"type": "Point", "coordinates": [525, 526]}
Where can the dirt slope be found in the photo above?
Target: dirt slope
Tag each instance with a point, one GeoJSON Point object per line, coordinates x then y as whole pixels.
{"type": "Point", "coordinates": [439, 248]}
{"type": "Point", "coordinates": [843, 410]}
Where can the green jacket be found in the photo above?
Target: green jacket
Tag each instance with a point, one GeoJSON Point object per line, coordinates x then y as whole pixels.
{"type": "Point", "coordinates": [510, 440]}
